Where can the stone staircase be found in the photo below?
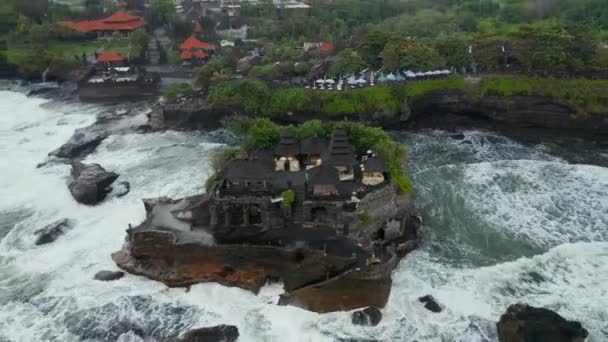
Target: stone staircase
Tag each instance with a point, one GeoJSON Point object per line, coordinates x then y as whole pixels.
{"type": "Point", "coordinates": [153, 52]}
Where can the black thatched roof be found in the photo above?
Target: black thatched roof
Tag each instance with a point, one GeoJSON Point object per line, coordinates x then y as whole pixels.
{"type": "Point", "coordinates": [288, 145]}
{"type": "Point", "coordinates": [245, 169]}
{"type": "Point", "coordinates": [288, 180]}
{"type": "Point", "coordinates": [375, 164]}
{"type": "Point", "coordinates": [323, 175]}
{"type": "Point", "coordinates": [266, 156]}
{"type": "Point", "coordinates": [314, 145]}
{"type": "Point", "coordinates": [341, 152]}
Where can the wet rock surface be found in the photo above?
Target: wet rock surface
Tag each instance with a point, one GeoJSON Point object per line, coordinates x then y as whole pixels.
{"type": "Point", "coordinates": [53, 231]}
{"type": "Point", "coordinates": [108, 275]}
{"type": "Point", "coordinates": [524, 323]}
{"type": "Point", "coordinates": [430, 303]}
{"type": "Point", "coordinates": [115, 120]}
{"type": "Point", "coordinates": [219, 333]}
{"type": "Point", "coordinates": [91, 183]}
{"type": "Point", "coordinates": [321, 270]}
{"type": "Point", "coordinates": [370, 317]}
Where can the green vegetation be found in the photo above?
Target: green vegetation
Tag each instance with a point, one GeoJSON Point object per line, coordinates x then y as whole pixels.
{"type": "Point", "coordinates": [177, 90]}
{"type": "Point", "coordinates": [220, 158]}
{"type": "Point", "coordinates": [262, 133]}
{"type": "Point", "coordinates": [256, 98]}
{"type": "Point", "coordinates": [162, 12]}
{"type": "Point", "coordinates": [587, 96]}
{"type": "Point", "coordinates": [418, 88]}
{"type": "Point", "coordinates": [365, 218]}
{"type": "Point", "coordinates": [212, 182]}
{"type": "Point", "coordinates": [252, 96]}
{"type": "Point", "coordinates": [289, 198]}
{"type": "Point", "coordinates": [377, 103]}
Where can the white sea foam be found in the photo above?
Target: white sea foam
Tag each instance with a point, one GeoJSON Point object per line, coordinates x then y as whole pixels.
{"type": "Point", "coordinates": [47, 292]}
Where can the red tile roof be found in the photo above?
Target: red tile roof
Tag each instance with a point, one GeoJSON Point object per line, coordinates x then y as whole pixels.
{"type": "Point", "coordinates": [187, 55]}
{"type": "Point", "coordinates": [194, 43]}
{"type": "Point", "coordinates": [107, 57]}
{"type": "Point", "coordinates": [327, 48]}
{"type": "Point", "coordinates": [119, 21]}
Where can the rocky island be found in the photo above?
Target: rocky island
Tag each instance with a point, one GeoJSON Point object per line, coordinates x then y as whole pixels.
{"type": "Point", "coordinates": [327, 218]}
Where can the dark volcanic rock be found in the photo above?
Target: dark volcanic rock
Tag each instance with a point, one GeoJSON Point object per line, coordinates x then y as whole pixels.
{"type": "Point", "coordinates": [91, 182]}
{"type": "Point", "coordinates": [83, 141]}
{"type": "Point", "coordinates": [53, 231]}
{"type": "Point", "coordinates": [524, 323]}
{"type": "Point", "coordinates": [430, 303]}
{"type": "Point", "coordinates": [218, 333]}
{"type": "Point", "coordinates": [109, 275]}
{"type": "Point", "coordinates": [370, 316]}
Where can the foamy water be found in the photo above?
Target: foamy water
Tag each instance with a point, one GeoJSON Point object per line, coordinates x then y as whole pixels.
{"type": "Point", "coordinates": [504, 223]}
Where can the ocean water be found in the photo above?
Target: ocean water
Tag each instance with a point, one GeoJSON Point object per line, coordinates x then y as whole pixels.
{"type": "Point", "coordinates": [504, 222]}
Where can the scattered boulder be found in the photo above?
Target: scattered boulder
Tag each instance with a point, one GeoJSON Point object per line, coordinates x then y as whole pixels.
{"type": "Point", "coordinates": [91, 182]}
{"type": "Point", "coordinates": [430, 303]}
{"type": "Point", "coordinates": [370, 316]}
{"type": "Point", "coordinates": [109, 275]}
{"type": "Point", "coordinates": [524, 323]}
{"type": "Point", "coordinates": [218, 333]}
{"type": "Point", "coordinates": [53, 231]}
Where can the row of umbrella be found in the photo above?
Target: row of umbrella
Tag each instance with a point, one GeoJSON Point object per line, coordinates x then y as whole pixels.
{"type": "Point", "coordinates": [354, 81]}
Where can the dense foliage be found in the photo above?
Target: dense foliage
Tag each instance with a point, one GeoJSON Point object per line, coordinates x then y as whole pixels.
{"type": "Point", "coordinates": [177, 90]}
{"type": "Point", "coordinates": [262, 133]}
{"type": "Point", "coordinates": [586, 96]}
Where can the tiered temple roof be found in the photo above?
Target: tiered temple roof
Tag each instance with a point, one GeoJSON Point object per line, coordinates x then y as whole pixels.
{"type": "Point", "coordinates": [340, 150]}
{"type": "Point", "coordinates": [288, 145]}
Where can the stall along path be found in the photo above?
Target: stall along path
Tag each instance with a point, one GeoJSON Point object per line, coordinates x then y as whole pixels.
{"type": "Point", "coordinates": [504, 222]}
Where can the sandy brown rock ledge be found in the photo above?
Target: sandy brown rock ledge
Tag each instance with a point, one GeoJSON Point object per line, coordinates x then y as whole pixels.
{"type": "Point", "coordinates": [321, 270]}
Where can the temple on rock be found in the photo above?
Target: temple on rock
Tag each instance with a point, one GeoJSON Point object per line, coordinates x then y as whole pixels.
{"type": "Point", "coordinates": [319, 215]}
{"type": "Point", "coordinates": [327, 179]}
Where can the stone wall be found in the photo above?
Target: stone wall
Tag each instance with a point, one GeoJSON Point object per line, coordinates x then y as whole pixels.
{"type": "Point", "coordinates": [378, 207]}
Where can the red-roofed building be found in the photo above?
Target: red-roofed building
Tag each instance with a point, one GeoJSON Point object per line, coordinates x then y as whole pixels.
{"type": "Point", "coordinates": [188, 55]}
{"type": "Point", "coordinates": [122, 22]}
{"type": "Point", "coordinates": [327, 48]}
{"type": "Point", "coordinates": [110, 57]}
{"type": "Point", "coordinates": [194, 49]}
{"type": "Point", "coordinates": [195, 43]}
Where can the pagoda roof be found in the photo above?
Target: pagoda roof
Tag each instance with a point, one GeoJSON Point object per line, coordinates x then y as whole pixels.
{"type": "Point", "coordinates": [288, 145]}
{"type": "Point", "coordinates": [194, 43]}
{"type": "Point", "coordinates": [188, 55]}
{"type": "Point", "coordinates": [341, 152]}
{"type": "Point", "coordinates": [314, 145]}
{"type": "Point", "coordinates": [108, 57]}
